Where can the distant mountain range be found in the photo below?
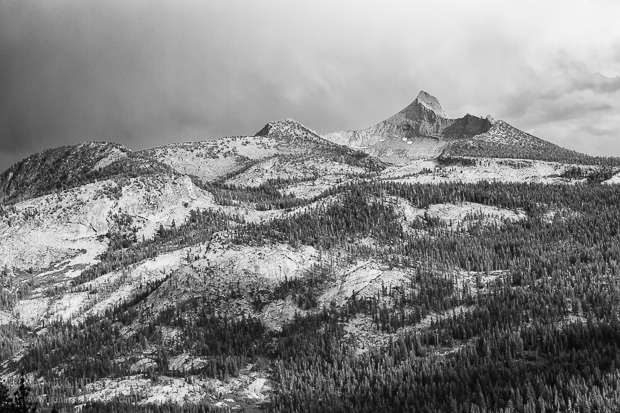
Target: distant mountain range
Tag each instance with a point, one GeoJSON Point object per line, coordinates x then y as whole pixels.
{"type": "Point", "coordinates": [289, 271]}
{"type": "Point", "coordinates": [423, 130]}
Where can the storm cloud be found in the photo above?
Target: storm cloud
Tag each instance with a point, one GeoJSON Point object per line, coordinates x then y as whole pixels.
{"type": "Point", "coordinates": [147, 73]}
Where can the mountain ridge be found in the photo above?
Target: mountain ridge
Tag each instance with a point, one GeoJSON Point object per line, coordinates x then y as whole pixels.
{"type": "Point", "coordinates": [422, 130]}
{"type": "Point", "coordinates": [70, 166]}
{"type": "Point", "coordinates": [205, 276]}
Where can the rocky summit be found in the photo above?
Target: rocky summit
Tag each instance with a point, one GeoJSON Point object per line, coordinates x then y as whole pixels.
{"type": "Point", "coordinates": [420, 130]}
{"type": "Point", "coordinates": [420, 264]}
{"type": "Point", "coordinates": [423, 130]}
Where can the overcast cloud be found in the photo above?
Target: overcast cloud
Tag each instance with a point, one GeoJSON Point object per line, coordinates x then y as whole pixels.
{"type": "Point", "coordinates": [146, 72]}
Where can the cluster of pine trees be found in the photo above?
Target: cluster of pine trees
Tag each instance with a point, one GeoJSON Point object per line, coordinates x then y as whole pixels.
{"type": "Point", "coordinates": [20, 402]}
{"type": "Point", "coordinates": [124, 249]}
{"type": "Point", "coordinates": [541, 335]}
{"type": "Point", "coordinates": [263, 197]}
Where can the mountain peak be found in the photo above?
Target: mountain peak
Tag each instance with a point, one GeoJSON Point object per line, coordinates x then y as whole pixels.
{"type": "Point", "coordinates": [430, 102]}
{"type": "Point", "coordinates": [286, 127]}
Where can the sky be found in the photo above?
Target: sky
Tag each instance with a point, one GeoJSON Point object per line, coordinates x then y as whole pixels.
{"type": "Point", "coordinates": [145, 73]}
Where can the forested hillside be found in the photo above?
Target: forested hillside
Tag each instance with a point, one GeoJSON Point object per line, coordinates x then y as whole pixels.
{"type": "Point", "coordinates": [434, 265]}
{"type": "Point", "coordinates": [514, 307]}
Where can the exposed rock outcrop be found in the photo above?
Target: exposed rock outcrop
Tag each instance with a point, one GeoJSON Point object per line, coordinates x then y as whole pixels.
{"type": "Point", "coordinates": [420, 130]}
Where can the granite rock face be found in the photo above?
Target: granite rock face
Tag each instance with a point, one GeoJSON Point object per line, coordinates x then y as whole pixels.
{"type": "Point", "coordinates": [420, 130]}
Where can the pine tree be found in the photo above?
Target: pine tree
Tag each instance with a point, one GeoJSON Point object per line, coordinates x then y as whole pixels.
{"type": "Point", "coordinates": [5, 406]}
{"type": "Point", "coordinates": [21, 402]}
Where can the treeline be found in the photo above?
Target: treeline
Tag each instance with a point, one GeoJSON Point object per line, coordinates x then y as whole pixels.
{"type": "Point", "coordinates": [265, 196]}
{"type": "Point", "coordinates": [329, 226]}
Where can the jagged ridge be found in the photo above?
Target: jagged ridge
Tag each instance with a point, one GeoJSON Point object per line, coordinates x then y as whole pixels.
{"type": "Point", "coordinates": [420, 130]}
{"type": "Point", "coordinates": [423, 130]}
{"type": "Point", "coordinates": [505, 141]}
{"type": "Point", "coordinates": [287, 140]}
